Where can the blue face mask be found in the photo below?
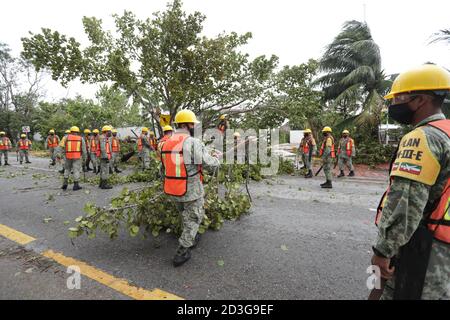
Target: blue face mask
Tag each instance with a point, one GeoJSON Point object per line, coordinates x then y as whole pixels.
{"type": "Point", "coordinates": [401, 113]}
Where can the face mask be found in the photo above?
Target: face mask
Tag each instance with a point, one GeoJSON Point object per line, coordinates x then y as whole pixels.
{"type": "Point", "coordinates": [191, 131]}
{"type": "Point", "coordinates": [401, 113]}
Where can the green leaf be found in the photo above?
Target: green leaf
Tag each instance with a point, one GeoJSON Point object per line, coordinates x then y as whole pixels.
{"type": "Point", "coordinates": [220, 263]}
{"type": "Point", "coordinates": [284, 248]}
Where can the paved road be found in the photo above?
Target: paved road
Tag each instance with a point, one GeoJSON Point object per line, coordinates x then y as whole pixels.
{"type": "Point", "coordinates": [300, 242]}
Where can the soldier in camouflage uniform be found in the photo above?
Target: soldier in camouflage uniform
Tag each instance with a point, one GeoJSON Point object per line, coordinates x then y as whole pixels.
{"type": "Point", "coordinates": [75, 155]}
{"type": "Point", "coordinates": [93, 147]}
{"type": "Point", "coordinates": [327, 152]}
{"type": "Point", "coordinates": [51, 144]}
{"type": "Point", "coordinates": [186, 191]}
{"type": "Point", "coordinates": [346, 150]}
{"type": "Point", "coordinates": [144, 148]}
{"type": "Point", "coordinates": [5, 146]}
{"type": "Point", "coordinates": [307, 150]}
{"type": "Point", "coordinates": [61, 153]}
{"type": "Point", "coordinates": [419, 181]}
{"type": "Point", "coordinates": [24, 147]}
{"type": "Point", "coordinates": [105, 156]}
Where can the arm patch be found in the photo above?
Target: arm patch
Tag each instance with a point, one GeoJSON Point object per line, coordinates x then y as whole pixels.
{"type": "Point", "coordinates": [415, 161]}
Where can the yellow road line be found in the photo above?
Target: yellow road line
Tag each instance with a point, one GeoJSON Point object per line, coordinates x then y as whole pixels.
{"type": "Point", "coordinates": [14, 235]}
{"type": "Point", "coordinates": [108, 280]}
{"type": "Point", "coordinates": [104, 278]}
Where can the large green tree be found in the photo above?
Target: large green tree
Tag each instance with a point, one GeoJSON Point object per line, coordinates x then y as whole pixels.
{"type": "Point", "coordinates": [162, 62]}
{"type": "Point", "coordinates": [353, 79]}
{"type": "Point", "coordinates": [111, 107]}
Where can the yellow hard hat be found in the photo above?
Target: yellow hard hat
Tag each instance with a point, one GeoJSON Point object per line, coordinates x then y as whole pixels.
{"type": "Point", "coordinates": [74, 129]}
{"type": "Point", "coordinates": [106, 128]}
{"type": "Point", "coordinates": [114, 130]}
{"type": "Point", "coordinates": [144, 129]}
{"type": "Point", "coordinates": [67, 131]}
{"type": "Point", "coordinates": [2, 133]}
{"type": "Point", "coordinates": [23, 135]}
{"type": "Point", "coordinates": [51, 131]}
{"type": "Point", "coordinates": [426, 77]}
{"type": "Point", "coordinates": [95, 131]}
{"type": "Point", "coordinates": [307, 131]}
{"type": "Point", "coordinates": [327, 129]}
{"type": "Point", "coordinates": [87, 131]}
{"type": "Point", "coordinates": [236, 134]}
{"type": "Point", "coordinates": [222, 117]}
{"type": "Point", "coordinates": [185, 116]}
{"type": "Point", "coordinates": [167, 128]}
{"type": "Point", "coordinates": [345, 132]}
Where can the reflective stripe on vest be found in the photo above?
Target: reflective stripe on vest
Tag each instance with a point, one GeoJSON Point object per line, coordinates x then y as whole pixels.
{"type": "Point", "coordinates": [52, 142]}
{"type": "Point", "coordinates": [73, 147]}
{"type": "Point", "coordinates": [439, 219]}
{"type": "Point", "coordinates": [107, 149]}
{"type": "Point", "coordinates": [5, 144]}
{"type": "Point", "coordinates": [175, 172]}
{"type": "Point", "coordinates": [348, 147]}
{"type": "Point", "coordinates": [24, 144]}
{"type": "Point", "coordinates": [115, 145]}
{"type": "Point", "coordinates": [322, 148]}
{"type": "Point", "coordinates": [93, 145]}
{"type": "Point", "coordinates": [139, 142]}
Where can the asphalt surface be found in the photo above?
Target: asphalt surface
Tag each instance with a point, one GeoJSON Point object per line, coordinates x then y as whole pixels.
{"type": "Point", "coordinates": [299, 242]}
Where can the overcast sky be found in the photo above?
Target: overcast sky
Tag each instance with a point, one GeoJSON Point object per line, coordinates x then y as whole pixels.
{"type": "Point", "coordinates": [294, 30]}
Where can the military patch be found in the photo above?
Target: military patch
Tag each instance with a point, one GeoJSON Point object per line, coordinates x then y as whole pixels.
{"type": "Point", "coordinates": [415, 161]}
{"type": "Point", "coordinates": [410, 168]}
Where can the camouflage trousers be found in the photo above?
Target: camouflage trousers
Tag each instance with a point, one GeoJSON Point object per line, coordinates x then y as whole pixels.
{"type": "Point", "coordinates": [306, 162]}
{"type": "Point", "coordinates": [23, 154]}
{"type": "Point", "coordinates": [52, 152]}
{"type": "Point", "coordinates": [345, 160]}
{"type": "Point", "coordinates": [192, 213]}
{"type": "Point", "coordinates": [327, 163]}
{"type": "Point", "coordinates": [437, 279]}
{"type": "Point", "coordinates": [4, 153]}
{"type": "Point", "coordinates": [104, 169]}
{"type": "Point", "coordinates": [115, 160]}
{"type": "Point", "coordinates": [72, 165]}
{"type": "Point", "coordinates": [94, 159]}
{"type": "Point", "coordinates": [145, 158]}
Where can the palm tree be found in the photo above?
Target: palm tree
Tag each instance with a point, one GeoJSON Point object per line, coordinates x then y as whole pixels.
{"type": "Point", "coordinates": [352, 72]}
{"type": "Point", "coordinates": [443, 35]}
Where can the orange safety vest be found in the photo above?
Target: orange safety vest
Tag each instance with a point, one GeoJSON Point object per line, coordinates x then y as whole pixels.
{"type": "Point", "coordinates": [24, 144]}
{"type": "Point", "coordinates": [175, 172]}
{"type": "Point", "coordinates": [115, 145]}
{"type": "Point", "coordinates": [94, 144]}
{"type": "Point", "coordinates": [153, 143]}
{"type": "Point", "coordinates": [322, 148]}
{"type": "Point", "coordinates": [438, 220]}
{"type": "Point", "coordinates": [348, 147]}
{"type": "Point", "coordinates": [5, 144]}
{"type": "Point", "coordinates": [108, 149]}
{"type": "Point", "coordinates": [52, 143]}
{"type": "Point", "coordinates": [306, 146]}
{"type": "Point", "coordinates": [139, 142]}
{"type": "Point", "coordinates": [73, 147]}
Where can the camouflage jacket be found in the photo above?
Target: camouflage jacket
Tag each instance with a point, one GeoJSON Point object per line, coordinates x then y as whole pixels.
{"type": "Point", "coordinates": [103, 141]}
{"type": "Point", "coordinates": [195, 153]}
{"type": "Point", "coordinates": [311, 142]}
{"type": "Point", "coordinates": [418, 179]}
{"type": "Point", "coordinates": [328, 143]}
{"type": "Point", "coordinates": [343, 147]}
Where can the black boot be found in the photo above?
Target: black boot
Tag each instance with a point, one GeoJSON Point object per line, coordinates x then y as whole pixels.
{"type": "Point", "coordinates": [76, 186]}
{"type": "Point", "coordinates": [181, 256]}
{"type": "Point", "coordinates": [196, 240]}
{"type": "Point", "coordinates": [62, 171]}
{"type": "Point", "coordinates": [20, 162]}
{"type": "Point", "coordinates": [105, 185]}
{"type": "Point", "coordinates": [351, 174]}
{"type": "Point", "coordinates": [341, 174]}
{"type": "Point", "coordinates": [88, 168]}
{"type": "Point", "coordinates": [27, 161]}
{"type": "Point", "coordinates": [327, 185]}
{"type": "Point", "coordinates": [7, 164]}
{"type": "Point", "coordinates": [117, 170]}
{"type": "Point", "coordinates": [65, 183]}
{"type": "Point", "coordinates": [309, 174]}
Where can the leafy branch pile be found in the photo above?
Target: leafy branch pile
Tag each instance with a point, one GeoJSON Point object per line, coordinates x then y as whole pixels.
{"type": "Point", "coordinates": [150, 211]}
